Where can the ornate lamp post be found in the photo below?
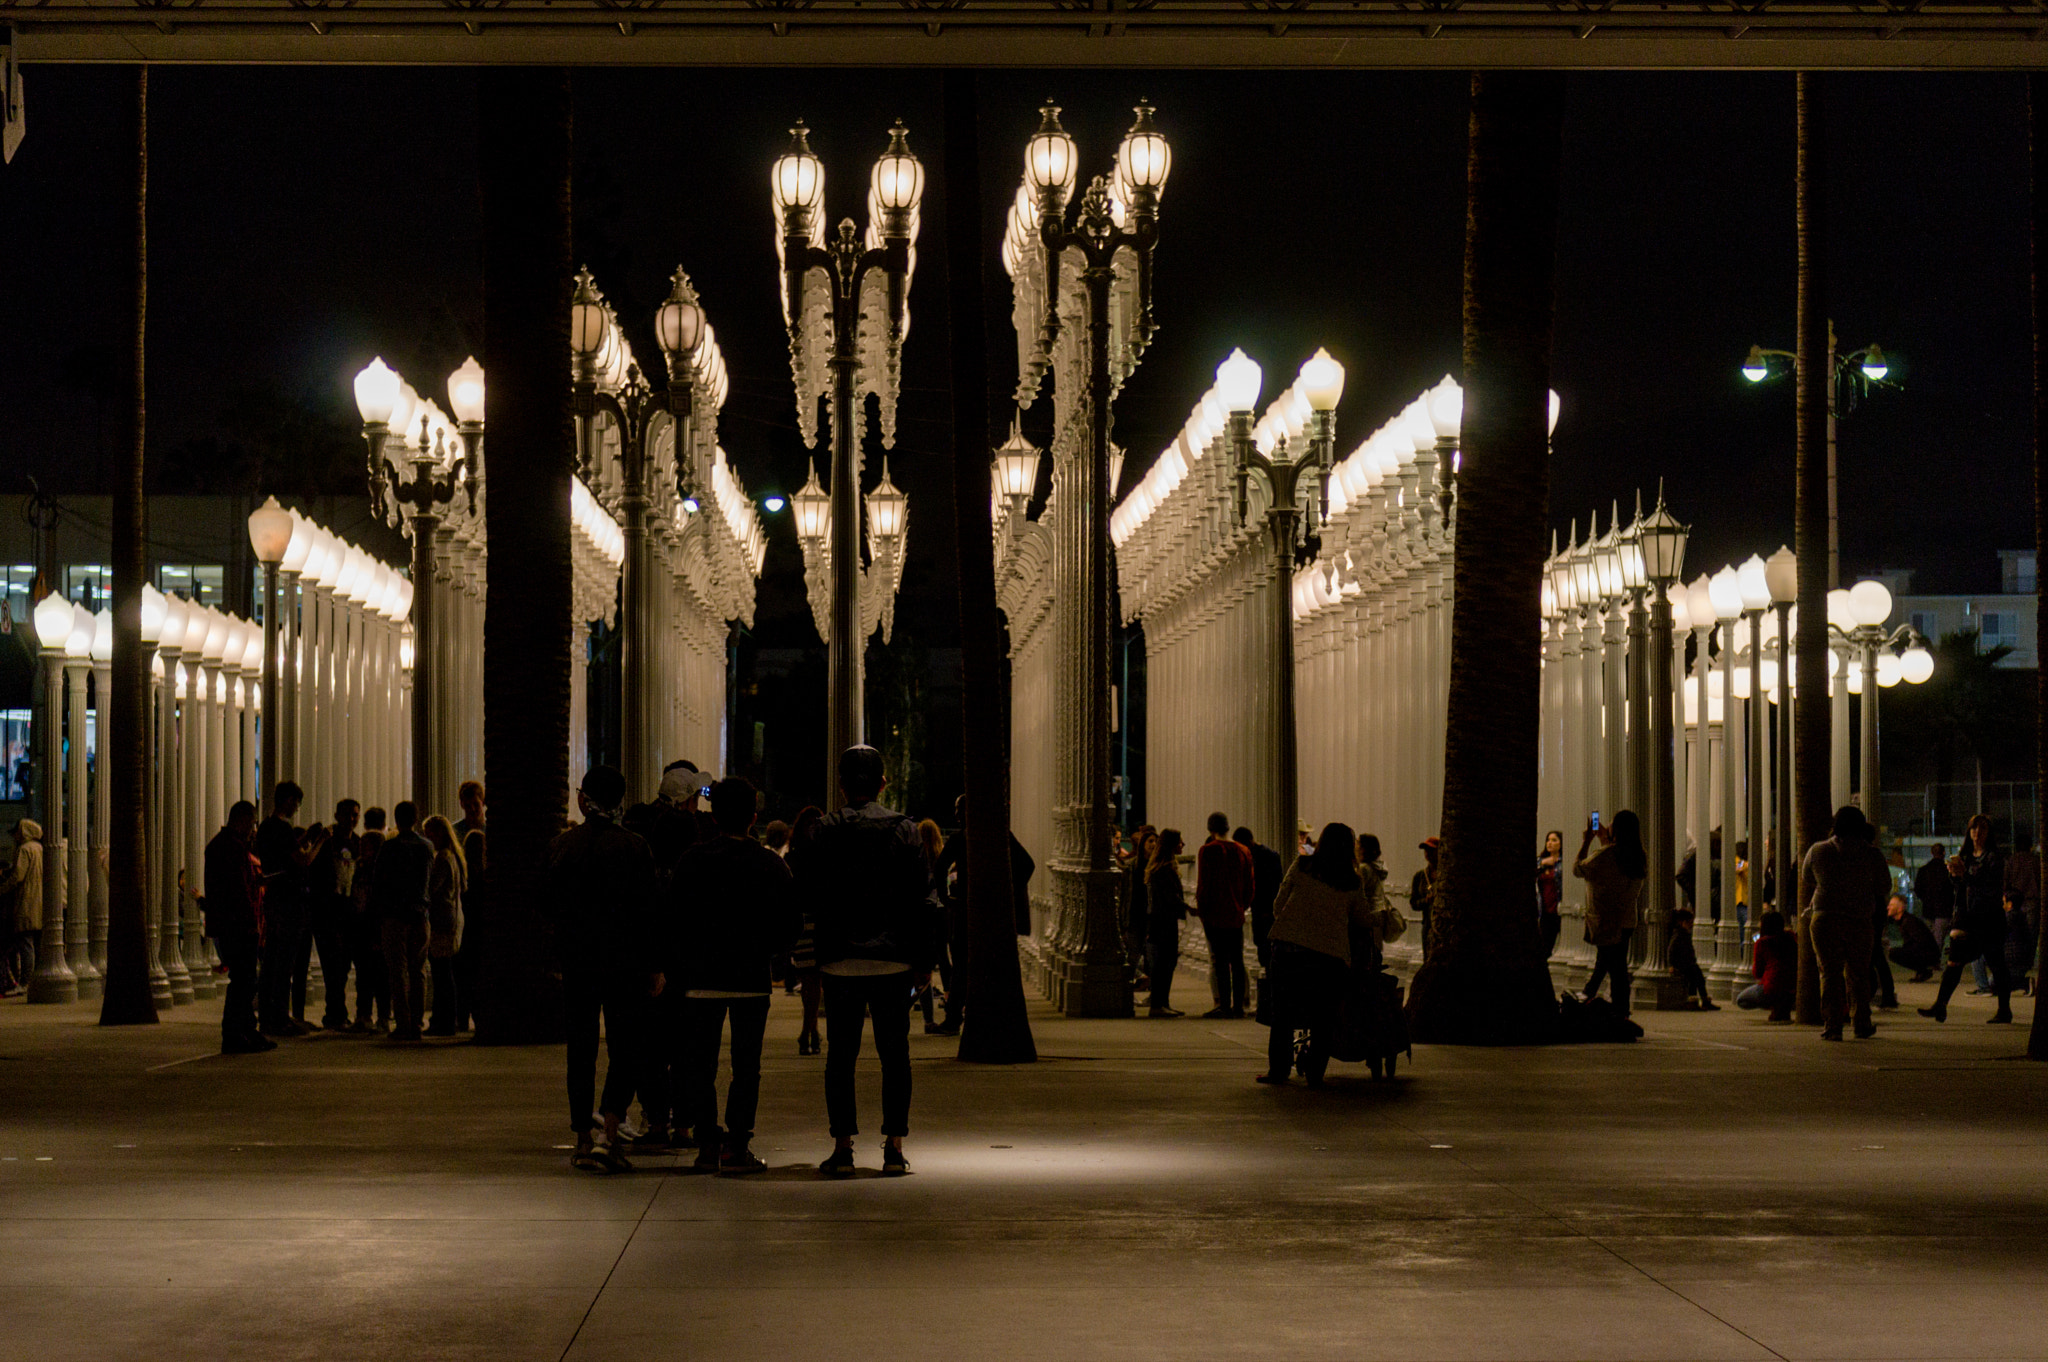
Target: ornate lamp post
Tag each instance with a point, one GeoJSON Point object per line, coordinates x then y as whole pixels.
{"type": "Point", "coordinates": [608, 381]}
{"type": "Point", "coordinates": [1662, 541]}
{"type": "Point", "coordinates": [441, 459]}
{"type": "Point", "coordinates": [271, 528]}
{"type": "Point", "coordinates": [1781, 578]}
{"type": "Point", "coordinates": [78, 876]}
{"type": "Point", "coordinates": [845, 301]}
{"type": "Point", "coordinates": [1301, 445]}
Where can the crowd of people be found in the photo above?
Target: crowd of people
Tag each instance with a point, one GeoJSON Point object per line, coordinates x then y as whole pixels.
{"type": "Point", "coordinates": [1979, 908]}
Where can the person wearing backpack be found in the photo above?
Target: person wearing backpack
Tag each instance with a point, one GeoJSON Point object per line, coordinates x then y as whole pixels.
{"type": "Point", "coordinates": [865, 875]}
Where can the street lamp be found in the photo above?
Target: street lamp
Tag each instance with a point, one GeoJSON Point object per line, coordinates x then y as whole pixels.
{"type": "Point", "coordinates": [1869, 605]}
{"type": "Point", "coordinates": [845, 302]}
{"type": "Point", "coordinates": [1781, 578]}
{"type": "Point", "coordinates": [1300, 447]}
{"type": "Point", "coordinates": [1662, 545]}
{"type": "Point", "coordinates": [270, 535]}
{"type": "Point", "coordinates": [54, 981]}
{"type": "Point", "coordinates": [1848, 377]}
{"type": "Point", "coordinates": [610, 384]}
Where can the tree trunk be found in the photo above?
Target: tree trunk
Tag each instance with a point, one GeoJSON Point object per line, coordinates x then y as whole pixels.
{"type": "Point", "coordinates": [996, 1029]}
{"type": "Point", "coordinates": [525, 133]}
{"type": "Point", "coordinates": [1485, 981]}
{"type": "Point", "coordinates": [2037, 145]}
{"type": "Point", "coordinates": [126, 999]}
{"type": "Point", "coordinates": [1810, 754]}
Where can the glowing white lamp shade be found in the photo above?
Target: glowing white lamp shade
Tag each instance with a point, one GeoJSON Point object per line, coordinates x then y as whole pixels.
{"type": "Point", "coordinates": [1870, 602]}
{"type": "Point", "coordinates": [1238, 380]}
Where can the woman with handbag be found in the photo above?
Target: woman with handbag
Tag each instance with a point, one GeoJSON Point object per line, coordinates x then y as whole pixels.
{"type": "Point", "coordinates": [1324, 896]}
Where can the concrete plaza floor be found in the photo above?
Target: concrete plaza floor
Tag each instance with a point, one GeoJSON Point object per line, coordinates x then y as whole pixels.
{"type": "Point", "coordinates": [1724, 1189]}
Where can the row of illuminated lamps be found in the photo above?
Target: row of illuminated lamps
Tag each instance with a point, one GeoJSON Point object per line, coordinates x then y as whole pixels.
{"type": "Point", "coordinates": [289, 541]}
{"type": "Point", "coordinates": [1051, 164]}
{"type": "Point", "coordinates": [796, 186]}
{"type": "Point", "coordinates": [689, 343]}
{"type": "Point", "coordinates": [199, 632]}
{"type": "Point", "coordinates": [888, 510]}
{"type": "Point", "coordinates": [596, 524]}
{"type": "Point", "coordinates": [385, 399]}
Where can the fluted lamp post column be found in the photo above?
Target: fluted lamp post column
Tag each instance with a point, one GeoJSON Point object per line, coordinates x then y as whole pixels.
{"type": "Point", "coordinates": [54, 981]}
{"type": "Point", "coordinates": [1781, 578]}
{"type": "Point", "coordinates": [78, 868]}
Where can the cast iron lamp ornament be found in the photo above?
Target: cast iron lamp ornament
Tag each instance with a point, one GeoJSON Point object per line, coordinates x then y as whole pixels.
{"type": "Point", "coordinates": [845, 302]}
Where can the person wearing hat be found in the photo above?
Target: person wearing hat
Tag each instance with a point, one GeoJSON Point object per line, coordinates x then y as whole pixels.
{"type": "Point", "coordinates": [1422, 888]}
{"type": "Point", "coordinates": [21, 888]}
{"type": "Point", "coordinates": [1843, 884]}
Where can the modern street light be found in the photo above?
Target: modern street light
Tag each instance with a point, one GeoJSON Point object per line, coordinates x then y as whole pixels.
{"type": "Point", "coordinates": [845, 302]}
{"type": "Point", "coordinates": [1881, 666]}
{"type": "Point", "coordinates": [1849, 375]}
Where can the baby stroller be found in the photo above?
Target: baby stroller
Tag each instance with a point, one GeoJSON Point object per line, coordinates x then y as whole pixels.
{"type": "Point", "coordinates": [1371, 1026]}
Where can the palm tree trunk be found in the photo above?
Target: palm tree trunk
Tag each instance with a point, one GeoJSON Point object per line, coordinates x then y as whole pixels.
{"type": "Point", "coordinates": [126, 999]}
{"type": "Point", "coordinates": [524, 115]}
{"type": "Point", "coordinates": [1810, 519]}
{"type": "Point", "coordinates": [2037, 104]}
{"type": "Point", "coordinates": [1485, 981]}
{"type": "Point", "coordinates": [996, 1029]}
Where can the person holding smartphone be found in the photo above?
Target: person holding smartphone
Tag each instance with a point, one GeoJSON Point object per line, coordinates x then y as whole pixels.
{"type": "Point", "coordinates": [1615, 873]}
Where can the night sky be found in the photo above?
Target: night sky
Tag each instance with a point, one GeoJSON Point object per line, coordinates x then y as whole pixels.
{"type": "Point", "coordinates": [304, 219]}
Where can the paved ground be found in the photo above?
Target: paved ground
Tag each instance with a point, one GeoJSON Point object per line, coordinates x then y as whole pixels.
{"type": "Point", "coordinates": [1725, 1189]}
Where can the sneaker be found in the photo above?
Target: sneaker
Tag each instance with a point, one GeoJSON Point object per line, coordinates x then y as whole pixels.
{"type": "Point", "coordinates": [838, 1164]}
{"type": "Point", "coordinates": [738, 1161]}
{"type": "Point", "coordinates": [612, 1155]}
{"type": "Point", "coordinates": [585, 1156]}
{"type": "Point", "coordinates": [1938, 1012]}
{"type": "Point", "coordinates": [894, 1165]}
{"type": "Point", "coordinates": [652, 1140]}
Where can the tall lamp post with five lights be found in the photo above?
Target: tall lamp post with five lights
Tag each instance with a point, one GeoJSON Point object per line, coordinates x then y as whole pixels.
{"type": "Point", "coordinates": [1844, 371]}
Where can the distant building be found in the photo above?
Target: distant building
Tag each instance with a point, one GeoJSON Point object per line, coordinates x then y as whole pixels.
{"type": "Point", "coordinates": [2004, 618]}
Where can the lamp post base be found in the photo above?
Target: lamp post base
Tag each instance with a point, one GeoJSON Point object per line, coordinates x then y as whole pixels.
{"type": "Point", "coordinates": [1084, 970]}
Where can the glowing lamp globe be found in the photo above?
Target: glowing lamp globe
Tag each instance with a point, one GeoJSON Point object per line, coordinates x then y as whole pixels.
{"type": "Point", "coordinates": [152, 615]}
{"type": "Point", "coordinates": [466, 392]}
{"type": "Point", "coordinates": [270, 532]}
{"type": "Point", "coordinates": [1870, 602]}
{"type": "Point", "coordinates": [1916, 665]}
{"type": "Point", "coordinates": [1322, 381]}
{"type": "Point", "coordinates": [376, 392]}
{"type": "Point", "coordinates": [1238, 380]}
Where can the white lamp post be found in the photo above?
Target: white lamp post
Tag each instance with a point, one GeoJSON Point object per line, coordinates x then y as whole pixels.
{"type": "Point", "coordinates": [1781, 576]}
{"type": "Point", "coordinates": [163, 630]}
{"type": "Point", "coordinates": [271, 529]}
{"type": "Point", "coordinates": [102, 789]}
{"type": "Point", "coordinates": [196, 733]}
{"type": "Point", "coordinates": [54, 980]}
{"type": "Point", "coordinates": [78, 900]}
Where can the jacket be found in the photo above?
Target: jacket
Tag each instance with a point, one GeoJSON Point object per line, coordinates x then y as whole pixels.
{"type": "Point", "coordinates": [869, 886]}
{"type": "Point", "coordinates": [2023, 879]}
{"type": "Point", "coordinates": [1266, 876]}
{"type": "Point", "coordinates": [1844, 877]}
{"type": "Point", "coordinates": [1166, 904]}
{"type": "Point", "coordinates": [1224, 882]}
{"type": "Point", "coordinates": [1935, 890]}
{"type": "Point", "coordinates": [333, 874]}
{"type": "Point", "coordinates": [1980, 896]}
{"type": "Point", "coordinates": [1613, 897]}
{"type": "Point", "coordinates": [398, 884]}
{"type": "Point", "coordinates": [1775, 965]}
{"type": "Point", "coordinates": [601, 899]}
{"type": "Point", "coordinates": [669, 830]}
{"type": "Point", "coordinates": [1321, 917]}
{"type": "Point", "coordinates": [234, 888]}
{"type": "Point", "coordinates": [735, 910]}
{"type": "Point", "coordinates": [949, 876]}
{"type": "Point", "coordinates": [367, 847]}
{"type": "Point", "coordinates": [23, 880]}
{"type": "Point", "coordinates": [446, 879]}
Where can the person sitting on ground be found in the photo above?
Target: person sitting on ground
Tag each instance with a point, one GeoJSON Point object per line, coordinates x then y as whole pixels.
{"type": "Point", "coordinates": [1685, 961]}
{"type": "Point", "coordinates": [234, 919]}
{"type": "Point", "coordinates": [1166, 907]}
{"type": "Point", "coordinates": [1322, 899]}
{"type": "Point", "coordinates": [601, 891]}
{"type": "Point", "coordinates": [1774, 965]}
{"type": "Point", "coordinates": [865, 878]}
{"type": "Point", "coordinates": [735, 913]}
{"type": "Point", "coordinates": [1918, 952]}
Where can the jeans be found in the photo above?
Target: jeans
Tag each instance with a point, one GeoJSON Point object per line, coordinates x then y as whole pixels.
{"type": "Point", "coordinates": [447, 995]}
{"type": "Point", "coordinates": [659, 1064]}
{"type": "Point", "coordinates": [1229, 985]}
{"type": "Point", "coordinates": [589, 995]}
{"type": "Point", "coordinates": [703, 1027]}
{"type": "Point", "coordinates": [1752, 998]}
{"type": "Point", "coordinates": [1843, 946]}
{"type": "Point", "coordinates": [849, 998]}
{"type": "Point", "coordinates": [331, 932]}
{"type": "Point", "coordinates": [405, 953]}
{"type": "Point", "coordinates": [238, 952]}
{"type": "Point", "coordinates": [284, 927]}
{"type": "Point", "coordinates": [1611, 962]}
{"type": "Point", "coordinates": [373, 989]}
{"type": "Point", "coordinates": [1164, 958]}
